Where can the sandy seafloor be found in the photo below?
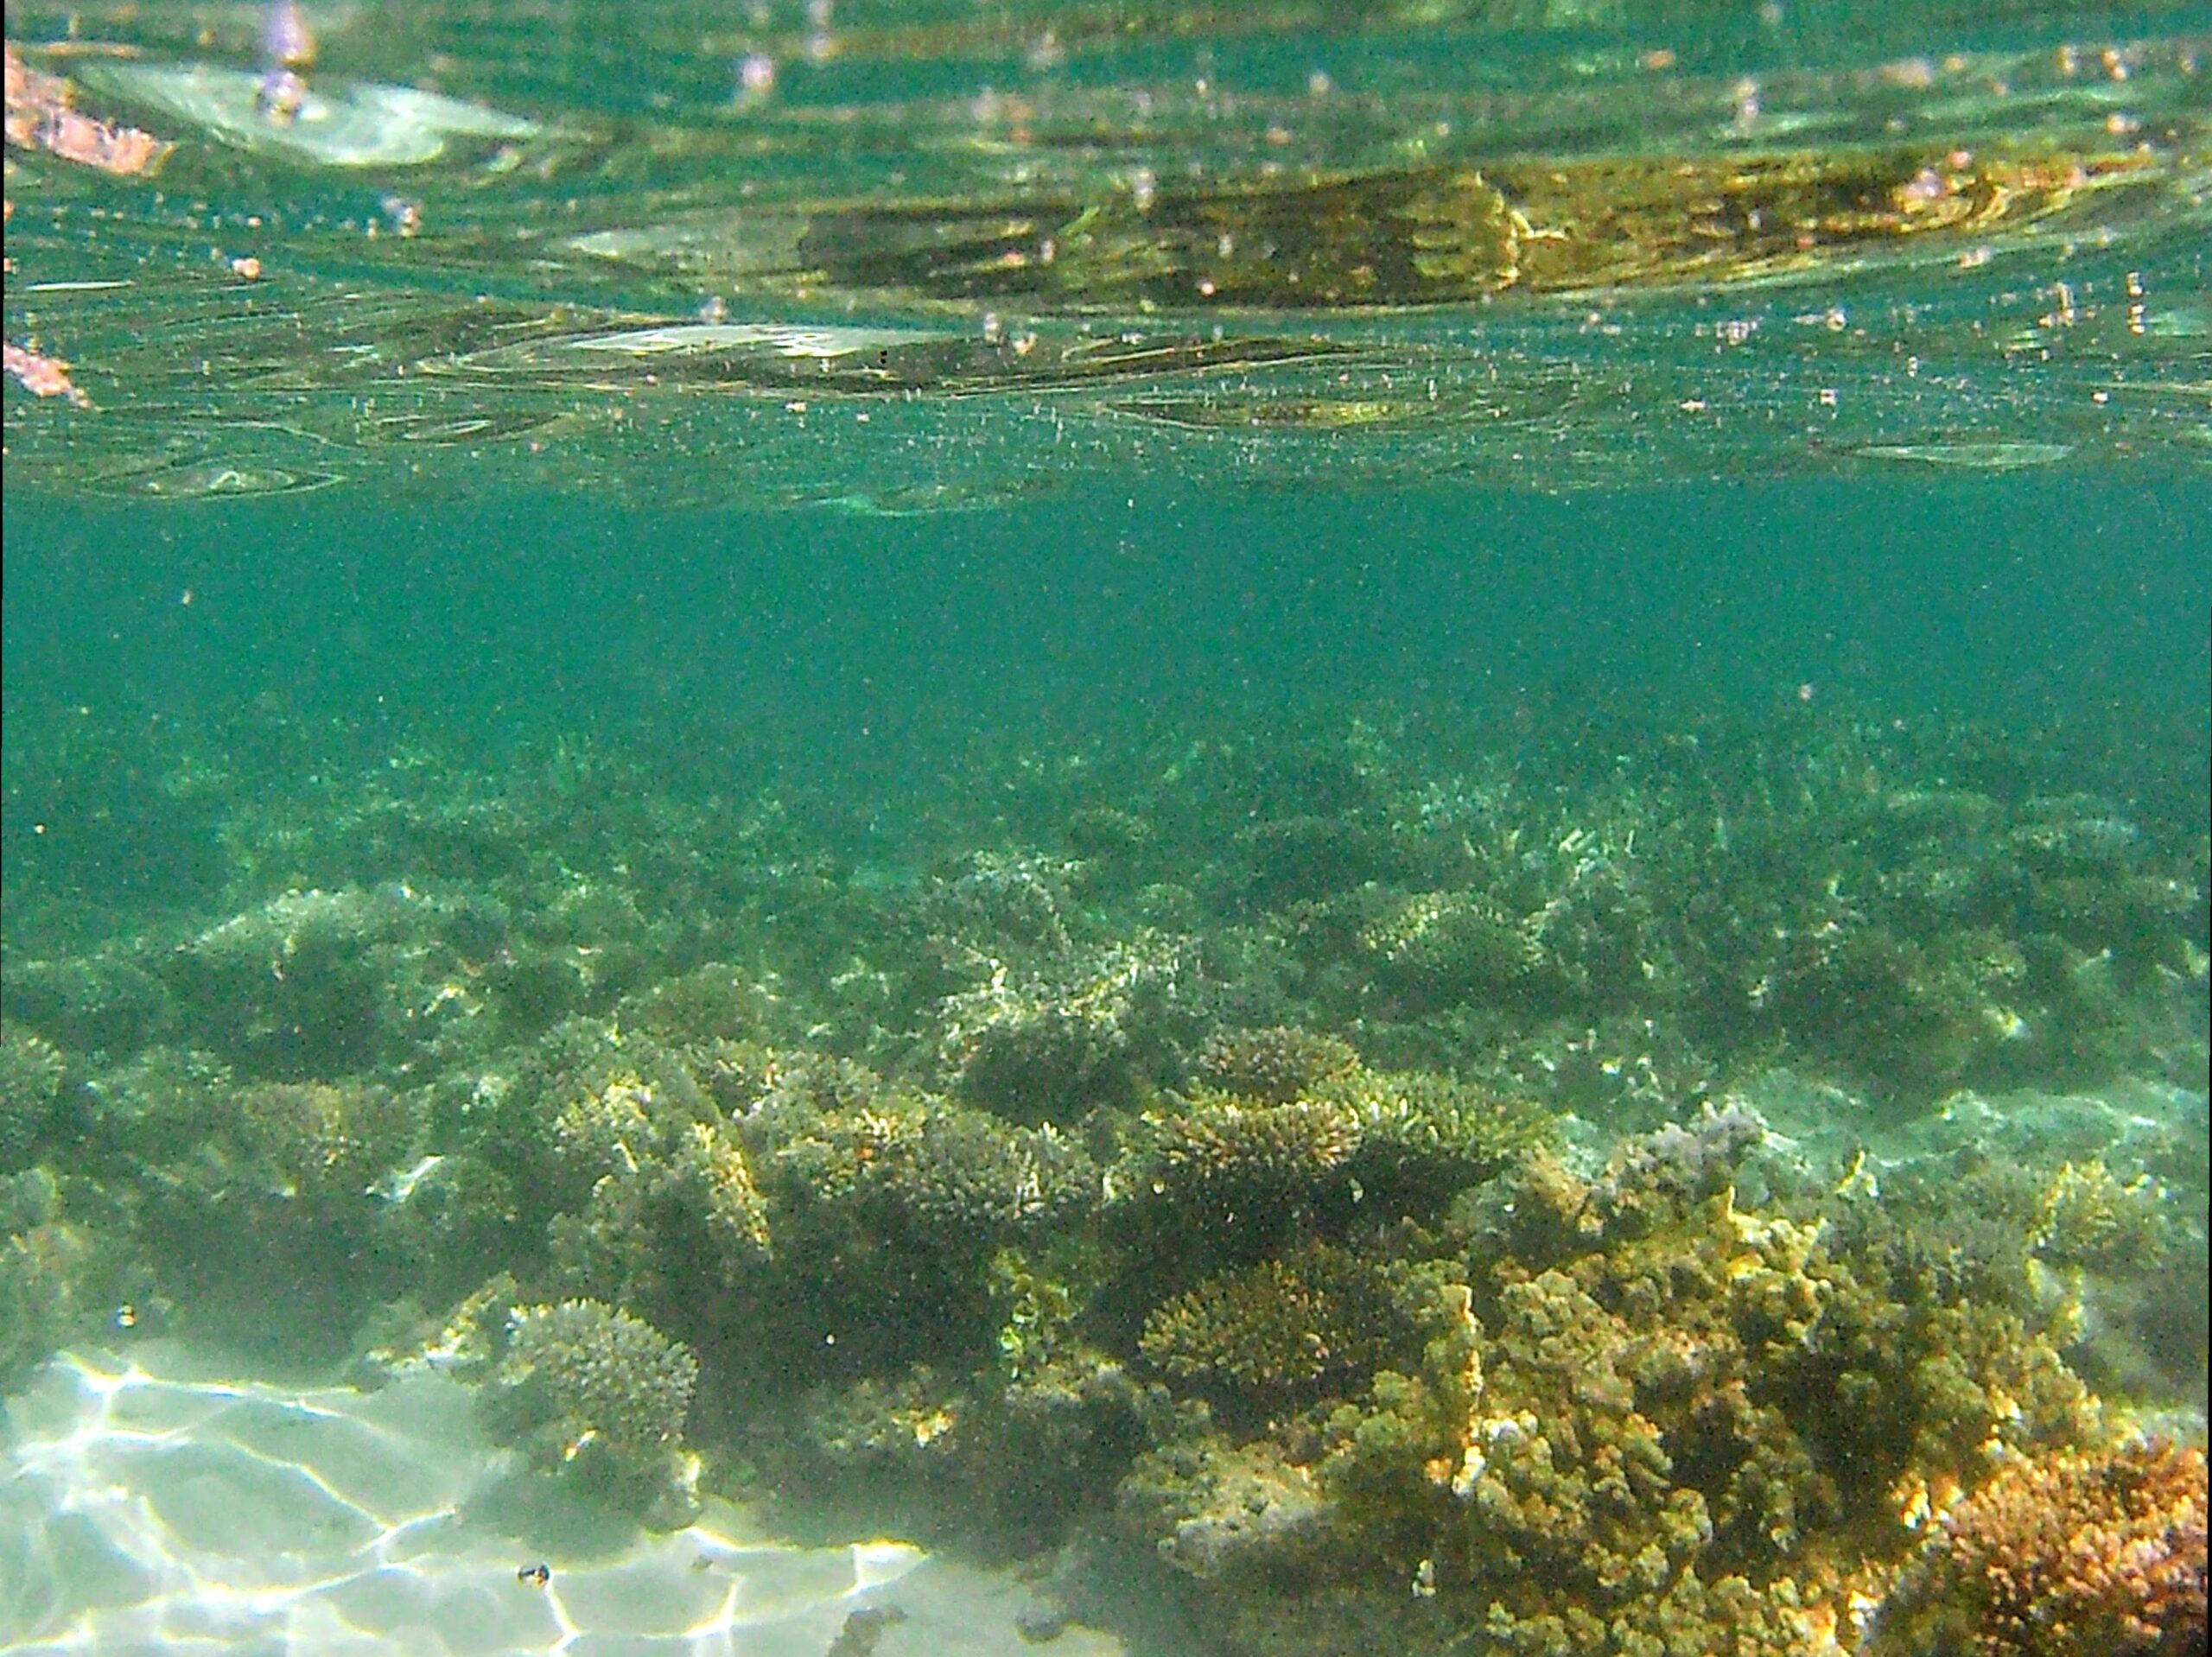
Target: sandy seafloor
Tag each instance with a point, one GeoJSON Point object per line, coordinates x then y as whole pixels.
{"type": "Point", "coordinates": [159, 1503]}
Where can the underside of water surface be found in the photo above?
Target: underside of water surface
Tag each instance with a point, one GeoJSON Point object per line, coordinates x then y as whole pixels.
{"type": "Point", "coordinates": [913, 265]}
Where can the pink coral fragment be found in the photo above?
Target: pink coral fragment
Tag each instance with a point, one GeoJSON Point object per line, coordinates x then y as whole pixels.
{"type": "Point", "coordinates": [41, 116]}
{"type": "Point", "coordinates": [41, 375]}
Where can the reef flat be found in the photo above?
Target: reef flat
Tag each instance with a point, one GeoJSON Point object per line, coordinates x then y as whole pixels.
{"type": "Point", "coordinates": [1740, 1191]}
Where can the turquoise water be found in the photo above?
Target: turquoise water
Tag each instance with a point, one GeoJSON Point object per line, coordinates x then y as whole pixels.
{"type": "Point", "coordinates": [1135, 831]}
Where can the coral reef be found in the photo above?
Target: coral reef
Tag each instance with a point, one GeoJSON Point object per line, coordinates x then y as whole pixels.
{"type": "Point", "coordinates": [1424, 1138]}
{"type": "Point", "coordinates": [1275, 1331]}
{"type": "Point", "coordinates": [1273, 1066]}
{"type": "Point", "coordinates": [43, 1266]}
{"type": "Point", "coordinates": [299, 988]}
{"type": "Point", "coordinates": [1584, 1199]}
{"type": "Point", "coordinates": [1219, 1182]}
{"type": "Point", "coordinates": [886, 1217]}
{"type": "Point", "coordinates": [593, 1393]}
{"type": "Point", "coordinates": [1444, 946]}
{"type": "Point", "coordinates": [1015, 1462]}
{"type": "Point", "coordinates": [272, 1208]}
{"type": "Point", "coordinates": [1079, 1031]}
{"type": "Point", "coordinates": [2069, 1553]}
{"type": "Point", "coordinates": [31, 1072]}
{"type": "Point", "coordinates": [657, 1230]}
{"type": "Point", "coordinates": [1219, 1512]}
{"type": "Point", "coordinates": [1644, 1418]}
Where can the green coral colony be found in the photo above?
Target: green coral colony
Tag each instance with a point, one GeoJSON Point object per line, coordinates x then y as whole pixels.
{"type": "Point", "coordinates": [1642, 1216]}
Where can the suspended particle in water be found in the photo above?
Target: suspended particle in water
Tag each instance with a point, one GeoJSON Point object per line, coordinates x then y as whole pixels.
{"type": "Point", "coordinates": [756, 77]}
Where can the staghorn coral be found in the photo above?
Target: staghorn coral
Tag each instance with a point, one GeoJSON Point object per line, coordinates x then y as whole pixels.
{"type": "Point", "coordinates": [597, 1370]}
{"type": "Point", "coordinates": [2068, 1553]}
{"type": "Point", "coordinates": [1273, 1066]}
{"type": "Point", "coordinates": [886, 1217]}
{"type": "Point", "coordinates": [650, 1234]}
{"type": "Point", "coordinates": [1424, 1138]}
{"type": "Point", "coordinates": [895, 1433]}
{"type": "Point", "coordinates": [325, 1146]}
{"type": "Point", "coordinates": [1443, 947]}
{"type": "Point", "coordinates": [1082, 1029]}
{"type": "Point", "coordinates": [1218, 1181]}
{"type": "Point", "coordinates": [715, 1002]}
{"type": "Point", "coordinates": [746, 1079]}
{"type": "Point", "coordinates": [1108, 836]}
{"type": "Point", "coordinates": [589, 1391]}
{"type": "Point", "coordinates": [603, 1152]}
{"type": "Point", "coordinates": [1280, 1330]}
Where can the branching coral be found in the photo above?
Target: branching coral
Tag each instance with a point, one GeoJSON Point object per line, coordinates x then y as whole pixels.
{"type": "Point", "coordinates": [1273, 1066]}
{"type": "Point", "coordinates": [886, 1217]}
{"type": "Point", "coordinates": [923, 1172]}
{"type": "Point", "coordinates": [1447, 946]}
{"type": "Point", "coordinates": [1276, 1330]}
{"type": "Point", "coordinates": [1002, 901]}
{"type": "Point", "coordinates": [595, 1369]}
{"type": "Point", "coordinates": [2092, 1219]}
{"type": "Point", "coordinates": [588, 1388]}
{"type": "Point", "coordinates": [1423, 1139]}
{"type": "Point", "coordinates": [651, 1232]}
{"type": "Point", "coordinates": [1220, 1181]}
{"type": "Point", "coordinates": [326, 1145]}
{"type": "Point", "coordinates": [301, 986]}
{"type": "Point", "coordinates": [2070, 1553]}
{"type": "Point", "coordinates": [1082, 1029]}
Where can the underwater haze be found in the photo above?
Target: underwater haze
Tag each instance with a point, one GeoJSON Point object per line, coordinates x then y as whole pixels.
{"type": "Point", "coordinates": [838, 827]}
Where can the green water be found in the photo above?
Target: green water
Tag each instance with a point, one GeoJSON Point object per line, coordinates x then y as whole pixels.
{"type": "Point", "coordinates": [1259, 831]}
